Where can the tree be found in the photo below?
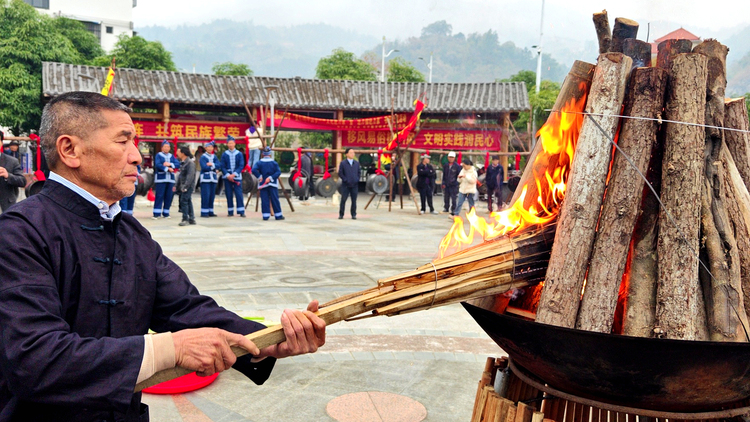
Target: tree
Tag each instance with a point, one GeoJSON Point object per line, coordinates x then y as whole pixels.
{"type": "Point", "coordinates": [342, 64]}
{"type": "Point", "coordinates": [28, 39]}
{"type": "Point", "coordinates": [541, 101]}
{"type": "Point", "coordinates": [399, 70]}
{"type": "Point", "coordinates": [138, 53]}
{"type": "Point", "coordinates": [439, 28]}
{"type": "Point", "coordinates": [84, 41]}
{"type": "Point", "coordinates": [231, 69]}
{"type": "Point", "coordinates": [526, 76]}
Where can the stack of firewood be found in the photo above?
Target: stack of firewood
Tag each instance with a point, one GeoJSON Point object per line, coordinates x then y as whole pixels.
{"type": "Point", "coordinates": [680, 269]}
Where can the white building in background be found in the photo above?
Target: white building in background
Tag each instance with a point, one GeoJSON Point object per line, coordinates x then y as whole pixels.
{"type": "Point", "coordinates": [106, 19]}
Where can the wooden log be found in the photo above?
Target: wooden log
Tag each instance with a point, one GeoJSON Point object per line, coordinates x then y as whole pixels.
{"type": "Point", "coordinates": [735, 117]}
{"type": "Point", "coordinates": [669, 49]}
{"type": "Point", "coordinates": [510, 415]}
{"type": "Point", "coordinates": [738, 206]}
{"type": "Point", "coordinates": [524, 412]}
{"type": "Point", "coordinates": [722, 287]}
{"type": "Point", "coordinates": [576, 85]}
{"type": "Point", "coordinates": [579, 213]}
{"type": "Point", "coordinates": [603, 33]}
{"type": "Point", "coordinates": [493, 403]}
{"type": "Point", "coordinates": [640, 310]}
{"type": "Point", "coordinates": [624, 28]}
{"type": "Point", "coordinates": [680, 308]}
{"type": "Point", "coordinates": [645, 99]}
{"type": "Point", "coordinates": [502, 411]}
{"type": "Point", "coordinates": [639, 51]}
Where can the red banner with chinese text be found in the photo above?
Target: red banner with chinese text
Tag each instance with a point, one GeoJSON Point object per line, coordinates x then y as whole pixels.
{"type": "Point", "coordinates": [186, 129]}
{"type": "Point", "coordinates": [430, 139]}
{"type": "Point", "coordinates": [298, 122]}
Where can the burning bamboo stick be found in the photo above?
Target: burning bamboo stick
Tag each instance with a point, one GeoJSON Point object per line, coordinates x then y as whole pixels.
{"type": "Point", "coordinates": [489, 268]}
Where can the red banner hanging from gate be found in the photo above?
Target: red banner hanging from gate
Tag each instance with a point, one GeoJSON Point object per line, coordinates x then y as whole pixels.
{"type": "Point", "coordinates": [299, 122]}
{"type": "Point", "coordinates": [187, 129]}
{"type": "Point", "coordinates": [430, 139]}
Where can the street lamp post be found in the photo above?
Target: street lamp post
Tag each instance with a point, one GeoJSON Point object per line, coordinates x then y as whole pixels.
{"type": "Point", "coordinates": [382, 64]}
{"type": "Point", "coordinates": [538, 73]}
{"type": "Point", "coordinates": [429, 66]}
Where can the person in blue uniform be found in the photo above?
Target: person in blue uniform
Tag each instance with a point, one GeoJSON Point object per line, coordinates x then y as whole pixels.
{"type": "Point", "coordinates": [81, 283]}
{"type": "Point", "coordinates": [494, 181]}
{"type": "Point", "coordinates": [232, 163]}
{"type": "Point", "coordinates": [128, 203]}
{"type": "Point", "coordinates": [267, 171]}
{"type": "Point", "coordinates": [165, 165]}
{"type": "Point", "coordinates": [209, 178]}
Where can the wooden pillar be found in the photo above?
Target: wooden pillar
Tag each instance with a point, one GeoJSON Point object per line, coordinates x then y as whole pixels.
{"type": "Point", "coordinates": [504, 143]}
{"type": "Point", "coordinates": [414, 161]}
{"type": "Point", "coordinates": [163, 109]}
{"type": "Point", "coordinates": [338, 140]}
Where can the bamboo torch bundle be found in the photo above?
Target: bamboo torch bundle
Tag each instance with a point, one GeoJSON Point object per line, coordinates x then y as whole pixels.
{"type": "Point", "coordinates": [493, 267]}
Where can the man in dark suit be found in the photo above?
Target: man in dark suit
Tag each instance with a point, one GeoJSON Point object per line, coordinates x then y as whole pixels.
{"type": "Point", "coordinates": [426, 183]}
{"type": "Point", "coordinates": [11, 178]}
{"type": "Point", "coordinates": [349, 175]}
{"type": "Point", "coordinates": [450, 183]}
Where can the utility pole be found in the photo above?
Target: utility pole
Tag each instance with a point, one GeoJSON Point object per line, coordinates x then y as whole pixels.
{"type": "Point", "coordinates": [382, 64]}
{"type": "Point", "coordinates": [538, 74]}
{"type": "Point", "coordinates": [429, 66]}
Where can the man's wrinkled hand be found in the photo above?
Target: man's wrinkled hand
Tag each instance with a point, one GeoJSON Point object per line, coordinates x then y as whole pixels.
{"type": "Point", "coordinates": [305, 332]}
{"type": "Point", "coordinates": [208, 350]}
{"type": "Point", "coordinates": [3, 171]}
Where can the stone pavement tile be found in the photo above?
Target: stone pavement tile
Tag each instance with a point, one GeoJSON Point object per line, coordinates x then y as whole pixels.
{"type": "Point", "coordinates": [433, 332]}
{"type": "Point", "coordinates": [423, 356]}
{"type": "Point", "coordinates": [322, 357]}
{"type": "Point", "coordinates": [445, 356]}
{"type": "Point", "coordinates": [403, 355]}
{"type": "Point", "coordinates": [162, 408]}
{"type": "Point", "coordinates": [380, 331]}
{"type": "Point", "coordinates": [384, 355]}
{"type": "Point", "coordinates": [362, 331]}
{"type": "Point", "coordinates": [342, 331]}
{"type": "Point", "coordinates": [466, 357]}
{"type": "Point", "coordinates": [363, 355]}
{"type": "Point", "coordinates": [213, 410]}
{"type": "Point", "coordinates": [341, 356]}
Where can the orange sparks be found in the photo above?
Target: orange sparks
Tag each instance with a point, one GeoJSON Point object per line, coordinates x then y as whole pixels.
{"type": "Point", "coordinates": [551, 168]}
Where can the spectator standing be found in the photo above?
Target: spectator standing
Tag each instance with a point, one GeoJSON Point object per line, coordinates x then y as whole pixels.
{"type": "Point", "coordinates": [186, 185]}
{"type": "Point", "coordinates": [468, 187]}
{"type": "Point", "coordinates": [209, 178]}
{"type": "Point", "coordinates": [232, 163]}
{"type": "Point", "coordinates": [450, 183]}
{"type": "Point", "coordinates": [11, 178]}
{"type": "Point", "coordinates": [426, 182]}
{"type": "Point", "coordinates": [254, 146]}
{"type": "Point", "coordinates": [267, 171]}
{"type": "Point", "coordinates": [307, 167]}
{"type": "Point", "coordinates": [165, 165]}
{"type": "Point", "coordinates": [13, 150]}
{"type": "Point", "coordinates": [494, 181]}
{"type": "Point", "coordinates": [349, 175]}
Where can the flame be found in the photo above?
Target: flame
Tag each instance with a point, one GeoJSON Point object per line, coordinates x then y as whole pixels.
{"type": "Point", "coordinates": [551, 169]}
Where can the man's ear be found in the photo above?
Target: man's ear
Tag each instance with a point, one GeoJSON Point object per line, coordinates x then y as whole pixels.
{"type": "Point", "coordinates": [69, 149]}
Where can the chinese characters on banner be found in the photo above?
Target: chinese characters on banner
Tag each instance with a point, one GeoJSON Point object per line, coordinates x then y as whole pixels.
{"type": "Point", "coordinates": [430, 139]}
{"type": "Point", "coordinates": [183, 129]}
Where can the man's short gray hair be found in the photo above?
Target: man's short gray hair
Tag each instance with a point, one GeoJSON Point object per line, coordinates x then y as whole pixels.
{"type": "Point", "coordinates": [73, 113]}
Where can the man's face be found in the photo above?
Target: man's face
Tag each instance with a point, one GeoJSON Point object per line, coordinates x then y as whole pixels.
{"type": "Point", "coordinates": [109, 158]}
{"type": "Point", "coordinates": [165, 148]}
{"type": "Point", "coordinates": [210, 149]}
{"type": "Point", "coordinates": [230, 145]}
{"type": "Point", "coordinates": [180, 155]}
{"type": "Point", "coordinates": [426, 160]}
{"type": "Point", "coordinates": [14, 148]}
{"type": "Point", "coordinates": [451, 159]}
{"type": "Point", "coordinates": [350, 154]}
{"type": "Point", "coordinates": [495, 162]}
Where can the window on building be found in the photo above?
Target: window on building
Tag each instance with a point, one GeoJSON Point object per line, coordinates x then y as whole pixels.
{"type": "Point", "coordinates": [95, 28]}
{"type": "Point", "coordinates": [109, 30]}
{"type": "Point", "coordinates": [41, 4]}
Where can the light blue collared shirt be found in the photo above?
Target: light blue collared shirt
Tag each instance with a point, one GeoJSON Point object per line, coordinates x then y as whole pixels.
{"type": "Point", "coordinates": [108, 213]}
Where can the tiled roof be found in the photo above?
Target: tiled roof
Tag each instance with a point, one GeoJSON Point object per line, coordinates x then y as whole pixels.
{"type": "Point", "coordinates": [678, 34]}
{"type": "Point", "coordinates": [185, 89]}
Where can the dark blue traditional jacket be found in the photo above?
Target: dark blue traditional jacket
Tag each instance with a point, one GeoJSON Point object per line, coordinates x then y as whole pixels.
{"type": "Point", "coordinates": [450, 174]}
{"type": "Point", "coordinates": [495, 176]}
{"type": "Point", "coordinates": [349, 173]}
{"type": "Point", "coordinates": [264, 168]}
{"type": "Point", "coordinates": [425, 176]}
{"type": "Point", "coordinates": [162, 175]}
{"type": "Point", "coordinates": [77, 294]}
{"type": "Point", "coordinates": [232, 162]}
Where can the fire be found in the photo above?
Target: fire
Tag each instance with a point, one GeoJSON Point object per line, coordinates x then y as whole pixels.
{"type": "Point", "coordinates": [551, 168]}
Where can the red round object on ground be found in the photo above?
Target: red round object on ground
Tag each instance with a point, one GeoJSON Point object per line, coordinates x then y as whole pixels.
{"type": "Point", "coordinates": [183, 384]}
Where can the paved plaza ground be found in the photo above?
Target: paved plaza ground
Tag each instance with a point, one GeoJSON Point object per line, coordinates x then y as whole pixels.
{"type": "Point", "coordinates": [258, 268]}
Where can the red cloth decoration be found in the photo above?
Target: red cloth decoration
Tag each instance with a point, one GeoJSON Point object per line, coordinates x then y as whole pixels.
{"type": "Point", "coordinates": [378, 171]}
{"type": "Point", "coordinates": [175, 146]}
{"type": "Point", "coordinates": [427, 152]}
{"type": "Point", "coordinates": [299, 168]}
{"type": "Point", "coordinates": [518, 161]}
{"type": "Point", "coordinates": [247, 155]}
{"type": "Point", "coordinates": [150, 195]}
{"type": "Point", "coordinates": [459, 157]}
{"type": "Point", "coordinates": [487, 160]}
{"type": "Point", "coordinates": [137, 140]}
{"type": "Point", "coordinates": [326, 175]}
{"type": "Point", "coordinates": [212, 138]}
{"type": "Point", "coordinates": [39, 174]}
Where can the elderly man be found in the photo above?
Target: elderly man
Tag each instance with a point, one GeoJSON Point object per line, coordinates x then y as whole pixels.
{"type": "Point", "coordinates": [426, 183]}
{"type": "Point", "coordinates": [82, 283]}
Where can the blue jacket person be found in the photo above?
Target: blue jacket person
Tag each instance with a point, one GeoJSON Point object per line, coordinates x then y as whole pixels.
{"type": "Point", "coordinates": [349, 175]}
{"type": "Point", "coordinates": [267, 171]}
{"type": "Point", "coordinates": [209, 178]}
{"type": "Point", "coordinates": [165, 165]}
{"type": "Point", "coordinates": [426, 183]}
{"type": "Point", "coordinates": [450, 183]}
{"type": "Point", "coordinates": [81, 283]}
{"type": "Point", "coordinates": [232, 163]}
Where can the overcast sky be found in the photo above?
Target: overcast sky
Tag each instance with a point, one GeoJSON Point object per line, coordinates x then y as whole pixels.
{"type": "Point", "coordinates": [401, 19]}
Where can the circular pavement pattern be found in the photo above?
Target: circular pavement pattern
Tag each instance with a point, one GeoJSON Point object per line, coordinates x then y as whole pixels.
{"type": "Point", "coordinates": [375, 406]}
